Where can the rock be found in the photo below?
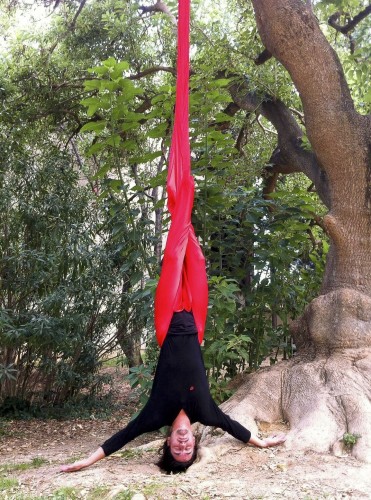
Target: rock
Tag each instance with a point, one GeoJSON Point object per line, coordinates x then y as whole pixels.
{"type": "Point", "coordinates": [138, 496]}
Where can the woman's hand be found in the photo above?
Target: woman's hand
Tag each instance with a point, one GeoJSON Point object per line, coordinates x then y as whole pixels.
{"type": "Point", "coordinates": [75, 466]}
{"type": "Point", "coordinates": [81, 464]}
{"type": "Point", "coordinates": [273, 440]}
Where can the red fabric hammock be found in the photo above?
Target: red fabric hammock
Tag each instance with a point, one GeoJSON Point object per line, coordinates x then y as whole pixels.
{"type": "Point", "coordinates": [183, 280]}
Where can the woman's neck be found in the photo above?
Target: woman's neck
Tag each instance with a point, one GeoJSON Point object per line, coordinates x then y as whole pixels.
{"type": "Point", "coordinates": [181, 420]}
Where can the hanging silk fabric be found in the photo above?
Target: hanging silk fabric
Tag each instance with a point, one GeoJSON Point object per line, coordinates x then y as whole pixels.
{"type": "Point", "coordinates": [183, 280]}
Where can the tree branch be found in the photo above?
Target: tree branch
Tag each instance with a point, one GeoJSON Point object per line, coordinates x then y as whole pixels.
{"type": "Point", "coordinates": [263, 57]}
{"type": "Point", "coordinates": [289, 156]}
{"type": "Point", "coordinates": [230, 110]}
{"type": "Point", "coordinates": [291, 32]}
{"type": "Point", "coordinates": [264, 129]}
{"type": "Point", "coordinates": [56, 3]}
{"type": "Point", "coordinates": [151, 71]}
{"type": "Point", "coordinates": [299, 115]}
{"type": "Point", "coordinates": [159, 7]}
{"type": "Point", "coordinates": [82, 4]}
{"type": "Point", "coordinates": [242, 136]}
{"type": "Point", "coordinates": [351, 24]}
{"type": "Point", "coordinates": [71, 26]}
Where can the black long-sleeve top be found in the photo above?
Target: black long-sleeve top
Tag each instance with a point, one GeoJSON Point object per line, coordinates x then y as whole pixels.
{"type": "Point", "coordinates": [180, 383]}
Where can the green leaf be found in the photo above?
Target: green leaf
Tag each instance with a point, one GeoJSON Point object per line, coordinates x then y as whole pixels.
{"type": "Point", "coordinates": [158, 99]}
{"type": "Point", "coordinates": [115, 184]}
{"type": "Point", "coordinates": [222, 117]}
{"type": "Point", "coordinates": [102, 172]}
{"type": "Point", "coordinates": [108, 85]}
{"type": "Point", "coordinates": [110, 62]}
{"type": "Point", "coordinates": [129, 126]}
{"type": "Point", "coordinates": [92, 84]}
{"type": "Point", "coordinates": [129, 145]}
{"type": "Point", "coordinates": [95, 103]}
{"type": "Point", "coordinates": [99, 70]}
{"type": "Point", "coordinates": [146, 158]}
{"type": "Point", "coordinates": [96, 126]}
{"type": "Point", "coordinates": [95, 148]}
{"type": "Point", "coordinates": [129, 89]}
{"type": "Point", "coordinates": [367, 96]}
{"type": "Point", "coordinates": [119, 68]}
{"type": "Point", "coordinates": [222, 82]}
{"type": "Point", "coordinates": [298, 226]}
{"type": "Point", "coordinates": [135, 117]}
{"type": "Point", "coordinates": [114, 140]}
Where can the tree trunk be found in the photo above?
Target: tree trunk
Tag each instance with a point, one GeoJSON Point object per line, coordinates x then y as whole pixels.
{"type": "Point", "coordinates": [130, 344]}
{"type": "Point", "coordinates": [325, 391]}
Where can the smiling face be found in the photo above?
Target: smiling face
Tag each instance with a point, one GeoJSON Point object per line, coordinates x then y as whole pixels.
{"type": "Point", "coordinates": [182, 443]}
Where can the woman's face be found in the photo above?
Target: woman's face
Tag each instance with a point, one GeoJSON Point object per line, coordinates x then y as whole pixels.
{"type": "Point", "coordinates": [182, 443]}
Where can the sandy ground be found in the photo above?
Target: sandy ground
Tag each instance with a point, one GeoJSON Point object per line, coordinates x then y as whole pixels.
{"type": "Point", "coordinates": [32, 451]}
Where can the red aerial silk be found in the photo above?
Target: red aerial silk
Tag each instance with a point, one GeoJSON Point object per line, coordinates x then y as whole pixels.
{"type": "Point", "coordinates": [183, 280]}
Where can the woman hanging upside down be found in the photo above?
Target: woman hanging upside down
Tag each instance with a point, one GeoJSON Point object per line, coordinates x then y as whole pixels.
{"type": "Point", "coordinates": [180, 396]}
{"type": "Point", "coordinates": [180, 393]}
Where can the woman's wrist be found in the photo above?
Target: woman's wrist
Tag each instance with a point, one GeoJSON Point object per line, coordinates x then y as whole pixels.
{"type": "Point", "coordinates": [256, 441]}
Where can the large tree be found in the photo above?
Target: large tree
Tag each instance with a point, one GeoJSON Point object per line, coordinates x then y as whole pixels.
{"type": "Point", "coordinates": [325, 390]}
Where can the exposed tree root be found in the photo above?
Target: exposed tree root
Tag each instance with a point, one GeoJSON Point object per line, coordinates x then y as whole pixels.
{"type": "Point", "coordinates": [325, 391]}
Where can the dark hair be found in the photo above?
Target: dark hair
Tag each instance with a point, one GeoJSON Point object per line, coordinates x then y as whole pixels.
{"type": "Point", "coordinates": [168, 463]}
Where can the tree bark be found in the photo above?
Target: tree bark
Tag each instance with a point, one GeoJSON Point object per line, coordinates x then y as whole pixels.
{"type": "Point", "coordinates": [325, 390]}
{"type": "Point", "coordinates": [340, 137]}
{"type": "Point", "coordinates": [130, 344]}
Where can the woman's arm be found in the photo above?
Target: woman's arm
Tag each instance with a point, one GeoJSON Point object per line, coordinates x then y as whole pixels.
{"type": "Point", "coordinates": [81, 464]}
{"type": "Point", "coordinates": [150, 418]}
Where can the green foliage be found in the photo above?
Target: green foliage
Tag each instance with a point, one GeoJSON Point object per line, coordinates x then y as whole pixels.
{"type": "Point", "coordinates": [116, 140]}
{"type": "Point", "coordinates": [223, 349]}
{"type": "Point", "coordinates": [141, 377]}
{"type": "Point", "coordinates": [98, 493]}
{"type": "Point", "coordinates": [86, 117]}
{"type": "Point", "coordinates": [350, 439]}
{"type": "Point", "coordinates": [34, 464]}
{"type": "Point", "coordinates": [275, 254]}
{"type": "Point", "coordinates": [124, 495]}
{"type": "Point", "coordinates": [74, 261]}
{"type": "Point", "coordinates": [8, 372]}
{"type": "Point", "coordinates": [85, 406]}
{"type": "Point", "coordinates": [7, 483]}
{"type": "Point", "coordinates": [56, 294]}
{"type": "Point", "coordinates": [220, 389]}
{"type": "Point", "coordinates": [353, 48]}
{"type": "Point", "coordinates": [130, 453]}
{"type": "Point", "coordinates": [66, 493]}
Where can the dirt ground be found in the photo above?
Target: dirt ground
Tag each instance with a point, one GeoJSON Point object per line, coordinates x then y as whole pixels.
{"type": "Point", "coordinates": [32, 451]}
